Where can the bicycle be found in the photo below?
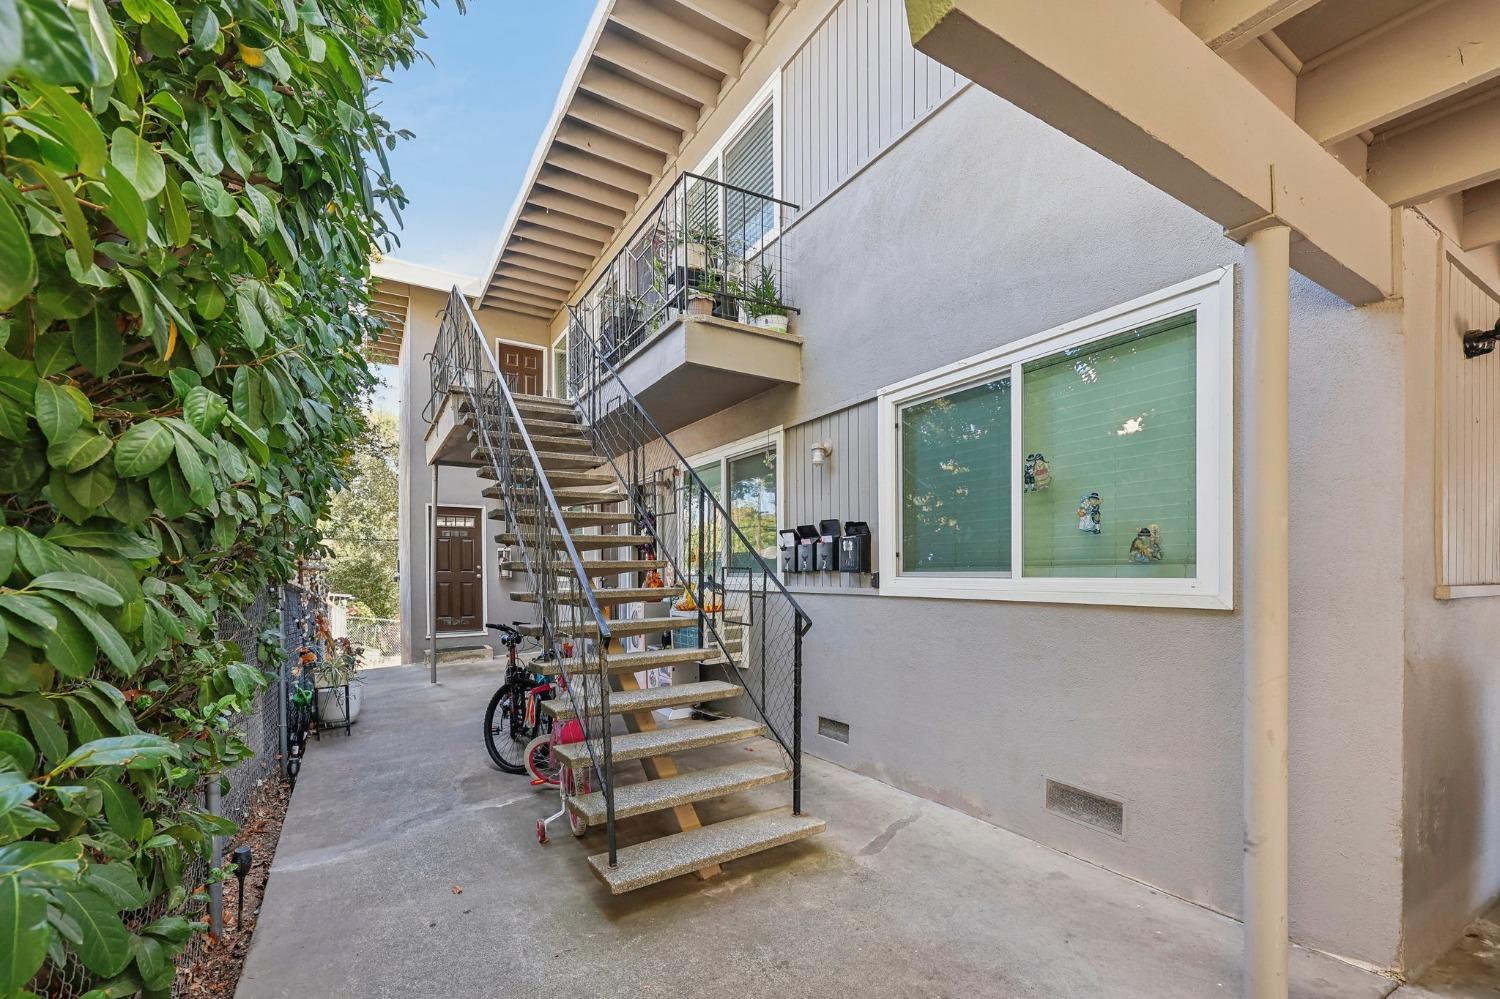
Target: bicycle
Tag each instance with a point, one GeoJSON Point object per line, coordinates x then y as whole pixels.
{"type": "Point", "coordinates": [547, 769]}
{"type": "Point", "coordinates": [513, 718]}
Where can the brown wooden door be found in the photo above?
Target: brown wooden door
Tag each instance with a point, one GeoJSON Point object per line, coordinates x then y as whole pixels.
{"type": "Point", "coordinates": [522, 367]}
{"type": "Point", "coordinates": [460, 580]}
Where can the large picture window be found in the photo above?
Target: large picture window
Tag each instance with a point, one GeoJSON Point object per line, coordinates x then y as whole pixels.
{"type": "Point", "coordinates": [1090, 463]}
{"type": "Point", "coordinates": [745, 478]}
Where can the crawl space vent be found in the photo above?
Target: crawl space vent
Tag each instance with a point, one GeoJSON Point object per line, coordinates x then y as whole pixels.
{"type": "Point", "coordinates": [836, 730]}
{"type": "Point", "coordinates": [1086, 807]}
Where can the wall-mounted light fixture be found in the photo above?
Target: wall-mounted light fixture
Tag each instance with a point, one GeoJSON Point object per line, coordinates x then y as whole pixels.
{"type": "Point", "coordinates": [1477, 343]}
{"type": "Point", "coordinates": [820, 452]}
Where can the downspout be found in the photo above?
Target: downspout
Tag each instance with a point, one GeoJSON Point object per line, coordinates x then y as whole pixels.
{"type": "Point", "coordinates": [1266, 336]}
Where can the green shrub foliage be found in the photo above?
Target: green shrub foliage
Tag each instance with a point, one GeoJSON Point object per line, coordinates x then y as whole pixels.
{"type": "Point", "coordinates": [186, 216]}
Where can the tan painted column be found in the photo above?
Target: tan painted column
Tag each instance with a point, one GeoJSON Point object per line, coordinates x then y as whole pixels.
{"type": "Point", "coordinates": [1266, 334]}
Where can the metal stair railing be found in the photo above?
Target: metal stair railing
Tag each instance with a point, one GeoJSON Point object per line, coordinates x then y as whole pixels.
{"type": "Point", "coordinates": [749, 625]}
{"type": "Point", "coordinates": [462, 361]}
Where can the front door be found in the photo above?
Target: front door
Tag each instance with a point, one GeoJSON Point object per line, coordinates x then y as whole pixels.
{"type": "Point", "coordinates": [460, 582]}
{"type": "Point", "coordinates": [522, 367]}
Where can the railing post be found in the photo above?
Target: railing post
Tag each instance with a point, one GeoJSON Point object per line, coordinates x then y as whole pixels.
{"type": "Point", "coordinates": [797, 714]}
{"type": "Point", "coordinates": [702, 555]}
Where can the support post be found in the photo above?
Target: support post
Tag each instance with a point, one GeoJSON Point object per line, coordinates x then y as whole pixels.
{"type": "Point", "coordinates": [432, 601]}
{"type": "Point", "coordinates": [216, 861]}
{"type": "Point", "coordinates": [282, 693]}
{"type": "Point", "coordinates": [1266, 336]}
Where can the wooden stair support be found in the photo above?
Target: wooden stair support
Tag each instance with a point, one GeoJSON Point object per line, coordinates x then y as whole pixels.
{"type": "Point", "coordinates": [658, 767]}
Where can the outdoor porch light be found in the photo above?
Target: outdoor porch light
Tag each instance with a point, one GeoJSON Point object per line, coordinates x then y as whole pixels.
{"type": "Point", "coordinates": [820, 452]}
{"type": "Point", "coordinates": [1477, 343]}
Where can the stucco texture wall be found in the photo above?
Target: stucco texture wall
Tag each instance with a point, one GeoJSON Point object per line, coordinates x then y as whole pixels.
{"type": "Point", "coordinates": [984, 226]}
{"type": "Point", "coordinates": [1451, 823]}
{"type": "Point", "coordinates": [456, 486]}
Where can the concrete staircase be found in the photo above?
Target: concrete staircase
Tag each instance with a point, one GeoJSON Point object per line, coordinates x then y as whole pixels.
{"type": "Point", "coordinates": [605, 534]}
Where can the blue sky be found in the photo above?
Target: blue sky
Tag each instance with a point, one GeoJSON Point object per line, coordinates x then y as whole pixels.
{"type": "Point", "coordinates": [477, 111]}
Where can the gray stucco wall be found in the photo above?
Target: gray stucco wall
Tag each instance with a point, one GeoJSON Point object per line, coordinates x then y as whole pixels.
{"type": "Point", "coordinates": [456, 486]}
{"type": "Point", "coordinates": [982, 227]}
{"type": "Point", "coordinates": [1452, 690]}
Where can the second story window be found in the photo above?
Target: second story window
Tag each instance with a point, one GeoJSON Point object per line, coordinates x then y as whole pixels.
{"type": "Point", "coordinates": [746, 162]}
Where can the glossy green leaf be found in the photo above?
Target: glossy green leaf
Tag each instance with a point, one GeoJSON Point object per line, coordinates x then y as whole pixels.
{"type": "Point", "coordinates": [125, 208]}
{"type": "Point", "coordinates": [92, 590]}
{"type": "Point", "coordinates": [98, 343]}
{"type": "Point", "coordinates": [10, 38]}
{"type": "Point", "coordinates": [53, 49]}
{"type": "Point", "coordinates": [205, 27]}
{"type": "Point", "coordinates": [138, 162]}
{"type": "Point", "coordinates": [19, 753]}
{"type": "Point", "coordinates": [205, 409]}
{"type": "Point", "coordinates": [203, 133]}
{"type": "Point", "coordinates": [78, 450]}
{"type": "Point", "coordinates": [142, 449]}
{"type": "Point", "coordinates": [78, 128]}
{"type": "Point", "coordinates": [56, 412]}
{"type": "Point", "coordinates": [129, 751]}
{"type": "Point", "coordinates": [17, 260]}
{"type": "Point", "coordinates": [23, 932]}
{"type": "Point", "coordinates": [105, 945]}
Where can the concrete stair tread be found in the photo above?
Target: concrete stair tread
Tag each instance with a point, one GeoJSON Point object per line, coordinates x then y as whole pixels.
{"type": "Point", "coordinates": [577, 518]}
{"type": "Point", "coordinates": [548, 442]}
{"type": "Point", "coordinates": [682, 853]}
{"type": "Point", "coordinates": [626, 662]}
{"type": "Point", "coordinates": [549, 459]}
{"type": "Point", "coordinates": [584, 541]}
{"type": "Point", "coordinates": [589, 629]}
{"type": "Point", "coordinates": [568, 495]}
{"type": "Point", "coordinates": [664, 741]}
{"type": "Point", "coordinates": [560, 478]}
{"type": "Point", "coordinates": [607, 595]}
{"type": "Point", "coordinates": [685, 788]}
{"type": "Point", "coordinates": [597, 567]}
{"type": "Point", "coordinates": [623, 702]}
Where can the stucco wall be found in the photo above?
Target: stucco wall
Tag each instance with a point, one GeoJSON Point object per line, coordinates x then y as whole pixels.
{"type": "Point", "coordinates": [456, 486]}
{"type": "Point", "coordinates": [1452, 693]}
{"type": "Point", "coordinates": [985, 226]}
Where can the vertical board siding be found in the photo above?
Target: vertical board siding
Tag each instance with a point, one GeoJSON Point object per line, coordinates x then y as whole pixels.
{"type": "Point", "coordinates": [844, 487]}
{"type": "Point", "coordinates": [852, 90]}
{"type": "Point", "coordinates": [1469, 465]}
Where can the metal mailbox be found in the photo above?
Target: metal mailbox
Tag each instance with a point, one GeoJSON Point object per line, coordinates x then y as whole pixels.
{"type": "Point", "coordinates": [807, 542]}
{"type": "Point", "coordinates": [788, 547]}
{"type": "Point", "coordinates": [854, 547]}
{"type": "Point", "coordinates": [826, 558]}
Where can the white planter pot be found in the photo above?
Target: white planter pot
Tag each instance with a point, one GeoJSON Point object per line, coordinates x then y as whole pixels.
{"type": "Point", "coordinates": [777, 323]}
{"type": "Point", "coordinates": [693, 256]}
{"type": "Point", "coordinates": [331, 704]}
{"type": "Point", "coordinates": [700, 304]}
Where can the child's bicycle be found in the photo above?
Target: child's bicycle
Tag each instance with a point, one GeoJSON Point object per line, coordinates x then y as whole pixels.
{"type": "Point", "coordinates": [547, 768]}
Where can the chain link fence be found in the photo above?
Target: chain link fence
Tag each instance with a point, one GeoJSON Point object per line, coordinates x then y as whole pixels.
{"type": "Point", "coordinates": [291, 614]}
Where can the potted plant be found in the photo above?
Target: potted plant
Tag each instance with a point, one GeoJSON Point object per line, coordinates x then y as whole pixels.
{"type": "Point", "coordinates": [763, 305]}
{"type": "Point", "coordinates": [700, 245]}
{"type": "Point", "coordinates": [703, 297]}
{"type": "Point", "coordinates": [339, 672]}
{"type": "Point", "coordinates": [619, 317]}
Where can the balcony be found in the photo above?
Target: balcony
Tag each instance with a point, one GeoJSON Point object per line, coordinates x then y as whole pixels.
{"type": "Point", "coordinates": [693, 314]}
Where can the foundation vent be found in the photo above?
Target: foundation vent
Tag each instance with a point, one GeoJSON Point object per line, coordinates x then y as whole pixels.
{"type": "Point", "coordinates": [836, 730]}
{"type": "Point", "coordinates": [1084, 806]}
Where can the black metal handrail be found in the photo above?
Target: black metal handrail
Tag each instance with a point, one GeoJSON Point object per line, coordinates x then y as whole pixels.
{"type": "Point", "coordinates": [463, 360]}
{"type": "Point", "coordinates": [643, 457]}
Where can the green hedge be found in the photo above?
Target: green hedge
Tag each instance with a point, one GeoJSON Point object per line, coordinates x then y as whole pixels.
{"type": "Point", "coordinates": [187, 213]}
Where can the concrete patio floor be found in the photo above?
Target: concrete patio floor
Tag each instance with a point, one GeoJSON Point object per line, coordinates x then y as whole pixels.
{"type": "Point", "coordinates": [900, 897]}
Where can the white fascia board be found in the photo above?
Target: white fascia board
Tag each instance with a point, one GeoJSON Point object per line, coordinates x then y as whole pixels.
{"type": "Point", "coordinates": [420, 275]}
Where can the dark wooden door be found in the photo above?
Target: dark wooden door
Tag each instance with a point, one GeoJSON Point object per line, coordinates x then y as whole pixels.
{"type": "Point", "coordinates": [522, 367]}
{"type": "Point", "coordinates": [460, 579]}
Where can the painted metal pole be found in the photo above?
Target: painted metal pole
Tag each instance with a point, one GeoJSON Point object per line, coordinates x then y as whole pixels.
{"type": "Point", "coordinates": [216, 861]}
{"type": "Point", "coordinates": [1266, 334]}
{"type": "Point", "coordinates": [432, 601]}
{"type": "Point", "coordinates": [281, 671]}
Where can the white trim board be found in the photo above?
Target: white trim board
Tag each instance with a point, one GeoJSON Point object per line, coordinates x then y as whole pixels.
{"type": "Point", "coordinates": [1211, 297]}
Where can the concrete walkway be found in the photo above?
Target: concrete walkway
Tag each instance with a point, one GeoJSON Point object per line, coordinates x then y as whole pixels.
{"type": "Point", "coordinates": [901, 897]}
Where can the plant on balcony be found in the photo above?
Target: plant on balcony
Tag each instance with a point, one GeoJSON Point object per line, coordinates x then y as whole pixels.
{"type": "Point", "coordinates": [619, 318]}
{"type": "Point", "coordinates": [188, 195]}
{"type": "Point", "coordinates": [763, 304]}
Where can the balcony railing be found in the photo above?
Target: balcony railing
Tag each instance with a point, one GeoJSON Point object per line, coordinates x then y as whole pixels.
{"type": "Point", "coordinates": [705, 248]}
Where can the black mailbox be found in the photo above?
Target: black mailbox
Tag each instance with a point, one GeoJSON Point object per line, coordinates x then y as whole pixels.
{"type": "Point", "coordinates": [788, 545]}
{"type": "Point", "coordinates": [807, 542]}
{"type": "Point", "coordinates": [854, 547]}
{"type": "Point", "coordinates": [827, 557]}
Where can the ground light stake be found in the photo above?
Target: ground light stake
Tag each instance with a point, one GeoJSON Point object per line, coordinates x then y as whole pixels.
{"type": "Point", "coordinates": [242, 857]}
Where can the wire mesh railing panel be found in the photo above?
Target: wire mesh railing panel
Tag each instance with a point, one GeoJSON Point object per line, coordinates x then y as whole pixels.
{"type": "Point", "coordinates": [706, 248]}
{"type": "Point", "coordinates": [570, 624]}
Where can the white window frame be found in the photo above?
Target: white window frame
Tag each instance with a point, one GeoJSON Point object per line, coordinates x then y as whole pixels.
{"type": "Point", "coordinates": [1211, 296]}
{"type": "Point", "coordinates": [774, 438]}
{"type": "Point", "coordinates": [770, 94]}
{"type": "Point", "coordinates": [557, 391]}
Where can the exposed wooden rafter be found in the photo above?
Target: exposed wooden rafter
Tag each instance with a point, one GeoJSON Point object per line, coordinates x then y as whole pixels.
{"type": "Point", "coordinates": [1226, 24]}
